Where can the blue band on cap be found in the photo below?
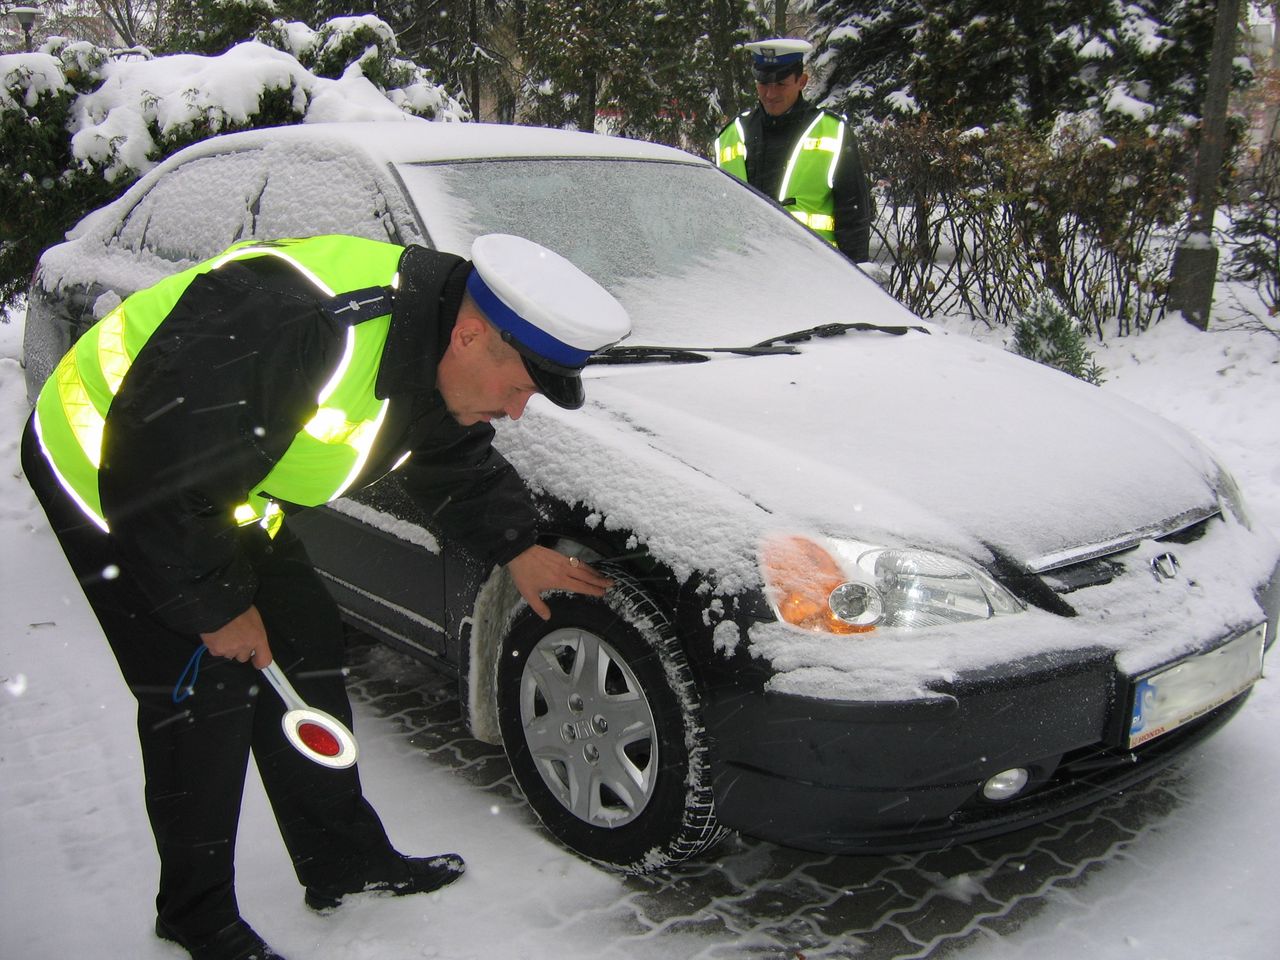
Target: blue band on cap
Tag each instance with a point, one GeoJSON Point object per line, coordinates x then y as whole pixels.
{"type": "Point", "coordinates": [777, 60]}
{"type": "Point", "coordinates": [529, 335]}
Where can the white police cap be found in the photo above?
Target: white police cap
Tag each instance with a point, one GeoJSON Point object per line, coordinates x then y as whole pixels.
{"type": "Point", "coordinates": [550, 311]}
{"type": "Point", "coordinates": [779, 55]}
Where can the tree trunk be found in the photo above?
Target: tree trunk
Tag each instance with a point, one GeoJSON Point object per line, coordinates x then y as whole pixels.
{"type": "Point", "coordinates": [587, 118]}
{"type": "Point", "coordinates": [1195, 261]}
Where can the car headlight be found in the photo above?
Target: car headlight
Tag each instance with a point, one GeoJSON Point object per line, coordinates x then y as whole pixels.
{"type": "Point", "coordinates": [846, 587]}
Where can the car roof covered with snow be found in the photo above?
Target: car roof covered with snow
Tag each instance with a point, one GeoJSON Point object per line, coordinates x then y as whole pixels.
{"type": "Point", "coordinates": [415, 140]}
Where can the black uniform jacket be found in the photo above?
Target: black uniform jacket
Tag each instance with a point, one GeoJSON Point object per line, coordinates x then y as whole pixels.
{"type": "Point", "coordinates": [217, 394]}
{"type": "Point", "coordinates": [770, 141]}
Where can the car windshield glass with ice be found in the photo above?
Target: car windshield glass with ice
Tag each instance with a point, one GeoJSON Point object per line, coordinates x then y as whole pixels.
{"type": "Point", "coordinates": [672, 241]}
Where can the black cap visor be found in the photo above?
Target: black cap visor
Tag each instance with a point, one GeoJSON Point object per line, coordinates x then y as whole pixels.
{"type": "Point", "coordinates": [776, 74]}
{"type": "Point", "coordinates": [561, 385]}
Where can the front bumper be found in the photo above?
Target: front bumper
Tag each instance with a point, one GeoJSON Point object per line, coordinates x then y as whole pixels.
{"type": "Point", "coordinates": [877, 777]}
{"type": "Point", "coordinates": [911, 778]}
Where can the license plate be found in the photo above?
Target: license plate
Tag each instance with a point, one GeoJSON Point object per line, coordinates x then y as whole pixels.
{"type": "Point", "coordinates": [1168, 698]}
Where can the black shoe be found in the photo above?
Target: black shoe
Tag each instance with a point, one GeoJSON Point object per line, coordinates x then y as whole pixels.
{"type": "Point", "coordinates": [425, 874]}
{"type": "Point", "coordinates": [235, 941]}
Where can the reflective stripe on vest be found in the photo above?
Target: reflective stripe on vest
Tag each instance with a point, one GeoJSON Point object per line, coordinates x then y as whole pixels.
{"type": "Point", "coordinates": [329, 452]}
{"type": "Point", "coordinates": [324, 457]}
{"type": "Point", "coordinates": [731, 150]}
{"type": "Point", "coordinates": [811, 174]}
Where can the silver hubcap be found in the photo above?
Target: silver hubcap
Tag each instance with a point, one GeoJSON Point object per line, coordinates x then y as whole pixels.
{"type": "Point", "coordinates": [589, 728]}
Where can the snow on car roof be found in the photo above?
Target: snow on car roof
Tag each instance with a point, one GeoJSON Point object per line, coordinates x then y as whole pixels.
{"type": "Point", "coordinates": [416, 140]}
{"type": "Point", "coordinates": [377, 145]}
{"type": "Point", "coordinates": [408, 140]}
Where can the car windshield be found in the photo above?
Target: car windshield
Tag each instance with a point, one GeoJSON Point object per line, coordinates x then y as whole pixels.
{"type": "Point", "coordinates": [696, 258]}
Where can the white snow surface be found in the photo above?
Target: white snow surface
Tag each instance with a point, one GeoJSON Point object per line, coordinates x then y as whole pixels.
{"type": "Point", "coordinates": [39, 73]}
{"type": "Point", "coordinates": [1119, 100]}
{"type": "Point", "coordinates": [78, 867]}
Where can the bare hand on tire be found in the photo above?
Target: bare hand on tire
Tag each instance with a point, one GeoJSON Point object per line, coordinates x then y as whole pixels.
{"type": "Point", "coordinates": [540, 569]}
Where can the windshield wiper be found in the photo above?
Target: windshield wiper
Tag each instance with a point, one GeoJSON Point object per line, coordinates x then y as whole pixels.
{"type": "Point", "coordinates": [637, 353]}
{"type": "Point", "coordinates": [835, 330]}
{"type": "Point", "coordinates": [644, 354]}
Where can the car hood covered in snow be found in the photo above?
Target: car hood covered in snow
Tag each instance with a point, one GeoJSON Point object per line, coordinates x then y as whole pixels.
{"type": "Point", "coordinates": [918, 440]}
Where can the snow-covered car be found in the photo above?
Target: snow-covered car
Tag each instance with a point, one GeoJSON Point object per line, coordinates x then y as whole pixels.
{"type": "Point", "coordinates": [878, 587]}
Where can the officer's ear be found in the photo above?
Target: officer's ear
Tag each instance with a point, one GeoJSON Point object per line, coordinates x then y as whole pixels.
{"type": "Point", "coordinates": [804, 78]}
{"type": "Point", "coordinates": [468, 331]}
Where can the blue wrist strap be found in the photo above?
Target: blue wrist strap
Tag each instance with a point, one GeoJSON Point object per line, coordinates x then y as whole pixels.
{"type": "Point", "coordinates": [184, 687]}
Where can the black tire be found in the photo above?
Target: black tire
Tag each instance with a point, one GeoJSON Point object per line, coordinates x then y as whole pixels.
{"type": "Point", "coordinates": [613, 760]}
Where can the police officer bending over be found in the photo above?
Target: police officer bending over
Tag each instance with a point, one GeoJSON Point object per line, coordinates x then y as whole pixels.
{"type": "Point", "coordinates": [798, 154]}
{"type": "Point", "coordinates": [174, 438]}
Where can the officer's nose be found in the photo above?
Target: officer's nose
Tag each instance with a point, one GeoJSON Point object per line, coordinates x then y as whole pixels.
{"type": "Point", "coordinates": [515, 408]}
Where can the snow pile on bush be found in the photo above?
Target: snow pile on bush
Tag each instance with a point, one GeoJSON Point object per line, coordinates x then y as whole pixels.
{"type": "Point", "coordinates": [80, 122]}
{"type": "Point", "coordinates": [132, 108]}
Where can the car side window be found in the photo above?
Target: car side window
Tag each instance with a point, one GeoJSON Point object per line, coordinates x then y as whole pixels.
{"type": "Point", "coordinates": [198, 209]}
{"type": "Point", "coordinates": [309, 193]}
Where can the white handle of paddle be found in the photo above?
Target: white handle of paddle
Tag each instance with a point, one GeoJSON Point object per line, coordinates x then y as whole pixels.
{"type": "Point", "coordinates": [275, 676]}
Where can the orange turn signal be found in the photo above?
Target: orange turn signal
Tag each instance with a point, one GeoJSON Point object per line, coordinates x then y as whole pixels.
{"type": "Point", "coordinates": [800, 576]}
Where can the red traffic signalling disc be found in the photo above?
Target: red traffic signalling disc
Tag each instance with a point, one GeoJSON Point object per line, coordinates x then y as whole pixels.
{"type": "Point", "coordinates": [318, 736]}
{"type": "Point", "coordinates": [318, 739]}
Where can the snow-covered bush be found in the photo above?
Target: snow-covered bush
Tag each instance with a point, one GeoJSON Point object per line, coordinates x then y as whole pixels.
{"type": "Point", "coordinates": [368, 46]}
{"type": "Point", "coordinates": [80, 123]}
{"type": "Point", "coordinates": [43, 188]}
{"type": "Point", "coordinates": [1048, 334]}
{"type": "Point", "coordinates": [940, 227]}
{"type": "Point", "coordinates": [146, 108]}
{"type": "Point", "coordinates": [214, 26]}
{"type": "Point", "coordinates": [1098, 214]}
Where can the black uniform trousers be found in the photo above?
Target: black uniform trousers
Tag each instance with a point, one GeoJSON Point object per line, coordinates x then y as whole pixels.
{"type": "Point", "coordinates": [195, 752]}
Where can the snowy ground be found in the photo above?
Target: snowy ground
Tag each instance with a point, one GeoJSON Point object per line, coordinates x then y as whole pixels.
{"type": "Point", "coordinates": [1183, 870]}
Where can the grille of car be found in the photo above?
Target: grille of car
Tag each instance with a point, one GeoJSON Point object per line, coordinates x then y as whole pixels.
{"type": "Point", "coordinates": [1192, 533]}
{"type": "Point", "coordinates": [1091, 573]}
{"type": "Point", "coordinates": [1097, 570]}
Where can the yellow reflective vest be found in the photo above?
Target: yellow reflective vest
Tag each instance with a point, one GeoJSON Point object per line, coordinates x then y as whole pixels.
{"type": "Point", "coordinates": [809, 177]}
{"type": "Point", "coordinates": [325, 456]}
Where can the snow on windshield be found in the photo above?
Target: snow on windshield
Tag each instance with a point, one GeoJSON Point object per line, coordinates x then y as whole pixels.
{"type": "Point", "coordinates": [696, 258]}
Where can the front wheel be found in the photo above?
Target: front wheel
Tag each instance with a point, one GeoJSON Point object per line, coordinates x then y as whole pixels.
{"type": "Point", "coordinates": [601, 721]}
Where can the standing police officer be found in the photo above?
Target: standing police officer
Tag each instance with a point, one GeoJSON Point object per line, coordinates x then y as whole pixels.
{"type": "Point", "coordinates": [176, 435]}
{"type": "Point", "coordinates": [798, 154]}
